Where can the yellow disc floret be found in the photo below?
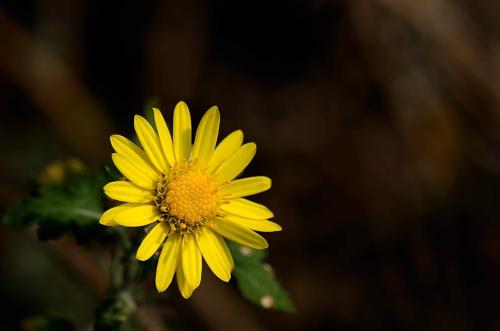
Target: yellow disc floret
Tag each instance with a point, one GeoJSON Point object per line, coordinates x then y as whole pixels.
{"type": "Point", "coordinates": [191, 196]}
{"type": "Point", "coordinates": [187, 197]}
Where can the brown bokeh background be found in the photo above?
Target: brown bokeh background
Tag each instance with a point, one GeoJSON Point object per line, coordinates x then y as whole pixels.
{"type": "Point", "coordinates": [378, 121]}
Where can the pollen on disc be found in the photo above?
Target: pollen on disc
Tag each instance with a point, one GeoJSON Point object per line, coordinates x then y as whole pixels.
{"type": "Point", "coordinates": [191, 196]}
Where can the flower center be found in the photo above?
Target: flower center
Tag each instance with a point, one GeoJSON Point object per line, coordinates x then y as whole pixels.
{"type": "Point", "coordinates": [186, 198]}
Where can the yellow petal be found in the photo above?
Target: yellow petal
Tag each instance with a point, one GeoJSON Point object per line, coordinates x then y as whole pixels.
{"type": "Point", "coordinates": [185, 289]}
{"type": "Point", "coordinates": [152, 241]}
{"type": "Point", "coordinates": [235, 164]}
{"type": "Point", "coordinates": [206, 136]}
{"type": "Point", "coordinates": [137, 171]}
{"type": "Point", "coordinates": [245, 186]}
{"type": "Point", "coordinates": [128, 192]}
{"type": "Point", "coordinates": [191, 261]}
{"type": "Point", "coordinates": [215, 252]}
{"type": "Point", "coordinates": [165, 137]}
{"type": "Point", "coordinates": [252, 224]}
{"type": "Point", "coordinates": [151, 143]}
{"type": "Point", "coordinates": [182, 131]}
{"type": "Point", "coordinates": [138, 215]}
{"type": "Point", "coordinates": [225, 149]}
{"type": "Point", "coordinates": [108, 217]}
{"type": "Point", "coordinates": [128, 149]}
{"type": "Point", "coordinates": [167, 263]}
{"type": "Point", "coordinates": [246, 208]}
{"type": "Point", "coordinates": [239, 234]}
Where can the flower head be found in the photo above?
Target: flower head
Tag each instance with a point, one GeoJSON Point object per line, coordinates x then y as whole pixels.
{"type": "Point", "coordinates": [187, 195]}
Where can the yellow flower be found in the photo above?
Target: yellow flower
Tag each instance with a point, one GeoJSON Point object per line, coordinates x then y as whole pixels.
{"type": "Point", "coordinates": [190, 193]}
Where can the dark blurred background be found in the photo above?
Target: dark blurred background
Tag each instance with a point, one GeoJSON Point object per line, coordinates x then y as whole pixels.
{"type": "Point", "coordinates": [378, 121]}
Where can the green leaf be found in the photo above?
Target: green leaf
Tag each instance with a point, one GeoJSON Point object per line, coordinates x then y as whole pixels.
{"type": "Point", "coordinates": [256, 279]}
{"type": "Point", "coordinates": [73, 205]}
{"type": "Point", "coordinates": [114, 313]}
{"type": "Point", "coordinates": [112, 172]}
{"type": "Point", "coordinates": [148, 110]}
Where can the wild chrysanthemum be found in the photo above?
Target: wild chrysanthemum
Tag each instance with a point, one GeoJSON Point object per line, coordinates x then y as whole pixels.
{"type": "Point", "coordinates": [190, 193]}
